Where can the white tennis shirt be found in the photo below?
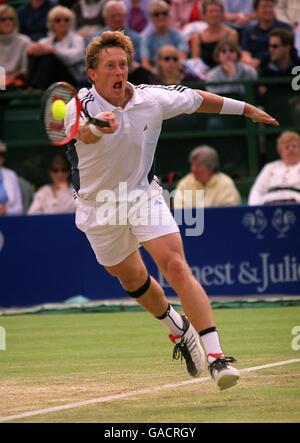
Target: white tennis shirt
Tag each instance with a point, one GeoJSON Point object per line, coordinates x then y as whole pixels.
{"type": "Point", "coordinates": [127, 155]}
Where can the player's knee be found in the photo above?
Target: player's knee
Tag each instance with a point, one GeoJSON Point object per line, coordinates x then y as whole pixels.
{"type": "Point", "coordinates": [177, 268]}
{"type": "Point", "coordinates": [137, 291]}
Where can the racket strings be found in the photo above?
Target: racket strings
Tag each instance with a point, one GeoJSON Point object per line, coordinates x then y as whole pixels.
{"type": "Point", "coordinates": [55, 128]}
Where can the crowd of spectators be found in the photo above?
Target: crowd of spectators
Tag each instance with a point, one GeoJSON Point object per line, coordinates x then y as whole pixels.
{"type": "Point", "coordinates": [176, 41]}
{"type": "Point", "coordinates": [43, 37]}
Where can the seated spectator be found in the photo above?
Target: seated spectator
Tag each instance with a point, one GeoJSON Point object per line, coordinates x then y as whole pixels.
{"type": "Point", "coordinates": [56, 197]}
{"type": "Point", "coordinates": [137, 17]}
{"type": "Point", "coordinates": [282, 55]}
{"type": "Point", "coordinates": [228, 55]}
{"type": "Point", "coordinates": [10, 194]}
{"type": "Point", "coordinates": [162, 34]}
{"type": "Point", "coordinates": [12, 48]}
{"type": "Point", "coordinates": [279, 181]}
{"type": "Point", "coordinates": [256, 36]}
{"type": "Point", "coordinates": [219, 189]}
{"type": "Point", "coordinates": [288, 11]}
{"type": "Point", "coordinates": [33, 18]}
{"type": "Point", "coordinates": [239, 13]}
{"type": "Point", "coordinates": [58, 57]}
{"type": "Point", "coordinates": [170, 69]}
{"type": "Point", "coordinates": [114, 13]}
{"type": "Point", "coordinates": [89, 19]}
{"type": "Point", "coordinates": [204, 43]}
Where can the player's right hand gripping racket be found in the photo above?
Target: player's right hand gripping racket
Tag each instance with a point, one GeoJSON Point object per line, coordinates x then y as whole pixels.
{"type": "Point", "coordinates": [53, 126]}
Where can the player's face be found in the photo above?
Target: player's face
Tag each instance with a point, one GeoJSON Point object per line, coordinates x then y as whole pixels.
{"type": "Point", "coordinates": [290, 152]}
{"type": "Point", "coordinates": [110, 76]}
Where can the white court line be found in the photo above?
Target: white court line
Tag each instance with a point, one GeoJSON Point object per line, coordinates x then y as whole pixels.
{"type": "Point", "coordinates": [150, 390]}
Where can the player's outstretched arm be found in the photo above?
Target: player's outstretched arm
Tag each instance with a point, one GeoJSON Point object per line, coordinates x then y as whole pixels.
{"type": "Point", "coordinates": [216, 104]}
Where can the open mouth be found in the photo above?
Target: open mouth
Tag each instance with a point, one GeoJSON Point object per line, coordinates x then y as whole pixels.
{"type": "Point", "coordinates": [117, 85]}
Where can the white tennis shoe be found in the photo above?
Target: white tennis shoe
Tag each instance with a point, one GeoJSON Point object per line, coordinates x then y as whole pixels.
{"type": "Point", "coordinates": [222, 373]}
{"type": "Point", "coordinates": [188, 347]}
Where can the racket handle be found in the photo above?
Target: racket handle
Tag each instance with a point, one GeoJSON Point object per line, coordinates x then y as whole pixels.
{"type": "Point", "coordinates": [98, 122]}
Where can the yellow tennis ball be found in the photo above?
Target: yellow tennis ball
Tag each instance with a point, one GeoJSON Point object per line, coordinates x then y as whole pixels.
{"type": "Point", "coordinates": [59, 109]}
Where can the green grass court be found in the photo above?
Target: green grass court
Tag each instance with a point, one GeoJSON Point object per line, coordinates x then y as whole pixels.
{"type": "Point", "coordinates": [53, 360]}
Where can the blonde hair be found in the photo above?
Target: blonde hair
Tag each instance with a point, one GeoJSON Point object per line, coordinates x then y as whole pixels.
{"type": "Point", "coordinates": [59, 11]}
{"type": "Point", "coordinates": [109, 39]}
{"type": "Point", "coordinates": [286, 137]}
{"type": "Point", "coordinates": [158, 4]}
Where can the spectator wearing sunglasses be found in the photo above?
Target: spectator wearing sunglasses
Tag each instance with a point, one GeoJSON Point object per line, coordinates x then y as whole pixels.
{"type": "Point", "coordinates": [282, 56]}
{"type": "Point", "coordinates": [33, 18]}
{"type": "Point", "coordinates": [162, 34]}
{"type": "Point", "coordinates": [12, 48]}
{"type": "Point", "coordinates": [170, 69]}
{"type": "Point", "coordinates": [56, 197]}
{"type": "Point", "coordinates": [58, 57]}
{"type": "Point", "coordinates": [228, 54]}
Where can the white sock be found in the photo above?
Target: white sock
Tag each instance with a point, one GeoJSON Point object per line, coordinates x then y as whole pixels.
{"type": "Point", "coordinates": [173, 321]}
{"type": "Point", "coordinates": [211, 343]}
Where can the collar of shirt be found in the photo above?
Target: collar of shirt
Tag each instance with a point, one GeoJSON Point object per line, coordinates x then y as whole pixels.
{"type": "Point", "coordinates": [136, 99]}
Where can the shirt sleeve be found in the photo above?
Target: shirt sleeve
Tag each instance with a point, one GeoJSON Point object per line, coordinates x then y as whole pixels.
{"type": "Point", "coordinates": [175, 100]}
{"type": "Point", "coordinates": [14, 205]}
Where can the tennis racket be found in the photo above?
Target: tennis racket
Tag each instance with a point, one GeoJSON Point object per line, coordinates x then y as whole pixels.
{"type": "Point", "coordinates": [53, 127]}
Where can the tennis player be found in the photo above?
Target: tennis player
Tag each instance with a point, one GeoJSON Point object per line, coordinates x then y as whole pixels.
{"type": "Point", "coordinates": [104, 159]}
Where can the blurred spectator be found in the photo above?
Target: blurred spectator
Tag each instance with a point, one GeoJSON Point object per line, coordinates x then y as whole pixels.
{"type": "Point", "coordinates": [239, 13]}
{"type": "Point", "coordinates": [282, 55]}
{"type": "Point", "coordinates": [288, 11]}
{"type": "Point", "coordinates": [185, 11]}
{"type": "Point", "coordinates": [205, 42]}
{"type": "Point", "coordinates": [297, 40]}
{"type": "Point", "coordinates": [162, 34]}
{"type": "Point", "coordinates": [228, 54]}
{"type": "Point", "coordinates": [114, 13]}
{"type": "Point", "coordinates": [137, 18]}
{"type": "Point", "coordinates": [33, 18]}
{"type": "Point", "coordinates": [58, 57]}
{"type": "Point", "coordinates": [10, 194]}
{"type": "Point", "coordinates": [89, 19]}
{"type": "Point", "coordinates": [170, 69]}
{"type": "Point", "coordinates": [279, 181]}
{"type": "Point", "coordinates": [256, 36]}
{"type": "Point", "coordinates": [219, 189]}
{"type": "Point", "coordinates": [12, 48]}
{"type": "Point", "coordinates": [56, 197]}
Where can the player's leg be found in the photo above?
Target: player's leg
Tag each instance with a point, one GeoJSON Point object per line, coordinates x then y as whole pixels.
{"type": "Point", "coordinates": [134, 277]}
{"type": "Point", "coordinates": [167, 251]}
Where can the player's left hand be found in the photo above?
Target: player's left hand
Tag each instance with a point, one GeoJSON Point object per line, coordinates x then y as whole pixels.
{"type": "Point", "coordinates": [259, 116]}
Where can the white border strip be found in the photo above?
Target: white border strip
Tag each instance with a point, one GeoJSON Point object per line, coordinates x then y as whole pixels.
{"type": "Point", "coordinates": [126, 395]}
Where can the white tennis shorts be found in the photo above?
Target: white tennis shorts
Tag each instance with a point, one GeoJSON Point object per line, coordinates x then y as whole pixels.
{"type": "Point", "coordinates": [116, 232]}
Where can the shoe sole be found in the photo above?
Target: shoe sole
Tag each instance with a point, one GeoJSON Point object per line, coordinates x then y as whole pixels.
{"type": "Point", "coordinates": [227, 381]}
